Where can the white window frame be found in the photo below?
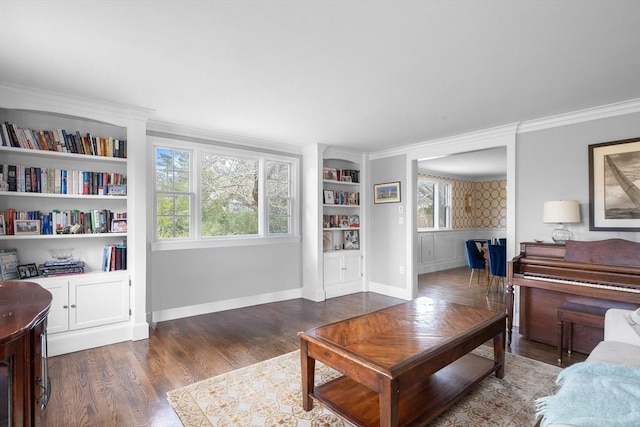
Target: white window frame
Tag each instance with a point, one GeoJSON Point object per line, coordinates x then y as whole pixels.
{"type": "Point", "coordinates": [436, 204]}
{"type": "Point", "coordinates": [195, 241]}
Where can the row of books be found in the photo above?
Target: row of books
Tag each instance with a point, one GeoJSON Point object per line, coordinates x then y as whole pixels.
{"type": "Point", "coordinates": [62, 141]}
{"type": "Point", "coordinates": [70, 221]}
{"type": "Point", "coordinates": [114, 257]}
{"type": "Point", "coordinates": [341, 175]}
{"type": "Point", "coordinates": [340, 197]}
{"type": "Point", "coordinates": [62, 181]}
{"type": "Point", "coordinates": [61, 267]}
{"type": "Point", "coordinates": [340, 221]}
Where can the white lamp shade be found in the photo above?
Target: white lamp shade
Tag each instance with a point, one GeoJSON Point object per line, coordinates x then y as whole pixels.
{"type": "Point", "coordinates": [561, 212]}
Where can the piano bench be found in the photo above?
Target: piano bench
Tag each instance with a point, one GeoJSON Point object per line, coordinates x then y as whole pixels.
{"type": "Point", "coordinates": [582, 314]}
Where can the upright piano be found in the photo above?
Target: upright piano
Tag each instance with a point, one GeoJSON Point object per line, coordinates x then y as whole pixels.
{"type": "Point", "coordinates": [603, 273]}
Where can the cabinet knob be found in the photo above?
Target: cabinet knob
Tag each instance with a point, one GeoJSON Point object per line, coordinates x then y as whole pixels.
{"type": "Point", "coordinates": [65, 306]}
{"type": "Point", "coordinates": [73, 306]}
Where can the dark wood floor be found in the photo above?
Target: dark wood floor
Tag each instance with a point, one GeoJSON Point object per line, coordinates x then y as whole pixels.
{"type": "Point", "coordinates": [125, 384]}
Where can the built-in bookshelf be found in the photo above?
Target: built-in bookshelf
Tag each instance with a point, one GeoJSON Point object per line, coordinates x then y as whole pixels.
{"type": "Point", "coordinates": [341, 227]}
{"type": "Point", "coordinates": [66, 187]}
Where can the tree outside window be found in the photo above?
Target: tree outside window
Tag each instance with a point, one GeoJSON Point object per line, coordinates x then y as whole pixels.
{"type": "Point", "coordinates": [433, 204]}
{"type": "Point", "coordinates": [237, 195]}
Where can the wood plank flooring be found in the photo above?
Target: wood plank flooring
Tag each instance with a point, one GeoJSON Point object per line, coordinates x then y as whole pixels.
{"type": "Point", "coordinates": [125, 384]}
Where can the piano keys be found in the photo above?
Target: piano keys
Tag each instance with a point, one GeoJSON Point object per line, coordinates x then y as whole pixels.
{"type": "Point", "coordinates": [604, 273]}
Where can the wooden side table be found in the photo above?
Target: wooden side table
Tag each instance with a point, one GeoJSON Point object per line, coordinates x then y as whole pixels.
{"type": "Point", "coordinates": [571, 312]}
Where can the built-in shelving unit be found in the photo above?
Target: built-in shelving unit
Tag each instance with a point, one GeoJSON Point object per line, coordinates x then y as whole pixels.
{"type": "Point", "coordinates": [341, 226]}
{"type": "Point", "coordinates": [68, 183]}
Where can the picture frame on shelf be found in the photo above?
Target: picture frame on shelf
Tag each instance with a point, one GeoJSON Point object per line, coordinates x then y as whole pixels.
{"type": "Point", "coordinates": [119, 226]}
{"type": "Point", "coordinates": [351, 239]}
{"type": "Point", "coordinates": [116, 190]}
{"type": "Point", "coordinates": [345, 178]}
{"type": "Point", "coordinates": [388, 192]}
{"type": "Point", "coordinates": [330, 174]}
{"type": "Point", "coordinates": [3, 226]}
{"type": "Point", "coordinates": [24, 227]}
{"type": "Point", "coordinates": [27, 271]}
{"type": "Point", "coordinates": [327, 241]}
{"type": "Point", "coordinates": [613, 196]}
{"type": "Point", "coordinates": [328, 197]}
{"type": "Point", "coordinates": [9, 264]}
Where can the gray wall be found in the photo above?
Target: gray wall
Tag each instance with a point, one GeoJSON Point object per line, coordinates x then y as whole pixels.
{"type": "Point", "coordinates": [197, 276]}
{"type": "Point", "coordinates": [386, 248]}
{"type": "Point", "coordinates": [552, 164]}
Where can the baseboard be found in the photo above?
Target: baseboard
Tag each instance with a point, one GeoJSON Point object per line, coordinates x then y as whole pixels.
{"type": "Point", "coordinates": [390, 291]}
{"type": "Point", "coordinates": [343, 289]}
{"type": "Point", "coordinates": [83, 339]}
{"type": "Point", "coordinates": [215, 306]}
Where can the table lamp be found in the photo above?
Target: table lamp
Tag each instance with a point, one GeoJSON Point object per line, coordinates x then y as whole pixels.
{"type": "Point", "coordinates": [561, 212]}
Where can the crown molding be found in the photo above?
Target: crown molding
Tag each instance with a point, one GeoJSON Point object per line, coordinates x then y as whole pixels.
{"type": "Point", "coordinates": [179, 131]}
{"type": "Point", "coordinates": [586, 115]}
{"type": "Point", "coordinates": [22, 97]}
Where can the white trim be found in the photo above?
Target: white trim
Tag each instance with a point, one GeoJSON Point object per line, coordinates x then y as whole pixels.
{"type": "Point", "coordinates": [172, 245]}
{"type": "Point", "coordinates": [177, 130]}
{"type": "Point", "coordinates": [343, 289]}
{"type": "Point", "coordinates": [390, 291]}
{"type": "Point", "coordinates": [215, 306]}
{"type": "Point", "coordinates": [83, 339]}
{"type": "Point", "coordinates": [589, 114]}
{"type": "Point", "coordinates": [50, 101]}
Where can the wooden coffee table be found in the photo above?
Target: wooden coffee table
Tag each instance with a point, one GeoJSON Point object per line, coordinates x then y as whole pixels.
{"type": "Point", "coordinates": [403, 365]}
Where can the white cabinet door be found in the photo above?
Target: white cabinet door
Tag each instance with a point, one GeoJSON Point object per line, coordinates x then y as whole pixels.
{"type": "Point", "coordinates": [351, 266]}
{"type": "Point", "coordinates": [58, 319]}
{"type": "Point", "coordinates": [332, 269]}
{"type": "Point", "coordinates": [98, 302]}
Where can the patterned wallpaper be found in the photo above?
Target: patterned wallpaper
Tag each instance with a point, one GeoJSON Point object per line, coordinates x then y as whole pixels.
{"type": "Point", "coordinates": [477, 204]}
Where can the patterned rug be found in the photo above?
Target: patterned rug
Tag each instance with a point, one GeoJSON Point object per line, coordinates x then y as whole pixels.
{"type": "Point", "coordinates": [269, 394]}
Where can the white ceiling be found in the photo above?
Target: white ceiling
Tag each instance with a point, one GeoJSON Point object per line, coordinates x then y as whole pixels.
{"type": "Point", "coordinates": [472, 165]}
{"type": "Point", "coordinates": [368, 75]}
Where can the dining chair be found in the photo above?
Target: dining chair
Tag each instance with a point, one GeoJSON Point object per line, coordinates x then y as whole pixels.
{"type": "Point", "coordinates": [502, 241]}
{"type": "Point", "coordinates": [497, 265]}
{"type": "Point", "coordinates": [475, 259]}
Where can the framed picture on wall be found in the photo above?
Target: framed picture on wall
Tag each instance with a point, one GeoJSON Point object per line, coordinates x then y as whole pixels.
{"type": "Point", "coordinates": [614, 186]}
{"type": "Point", "coordinates": [389, 192]}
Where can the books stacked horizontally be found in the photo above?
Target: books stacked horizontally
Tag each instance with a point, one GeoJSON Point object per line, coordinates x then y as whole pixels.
{"type": "Point", "coordinates": [61, 267]}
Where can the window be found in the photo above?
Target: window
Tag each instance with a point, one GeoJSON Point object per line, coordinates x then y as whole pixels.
{"type": "Point", "coordinates": [206, 193]}
{"type": "Point", "coordinates": [434, 204]}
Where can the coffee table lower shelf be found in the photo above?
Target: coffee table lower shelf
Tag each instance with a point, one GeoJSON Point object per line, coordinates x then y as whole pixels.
{"type": "Point", "coordinates": [418, 405]}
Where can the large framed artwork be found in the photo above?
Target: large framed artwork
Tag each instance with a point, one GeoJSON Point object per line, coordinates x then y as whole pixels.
{"type": "Point", "coordinates": [614, 186]}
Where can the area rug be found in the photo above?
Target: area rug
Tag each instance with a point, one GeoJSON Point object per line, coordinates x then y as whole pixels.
{"type": "Point", "coordinates": [269, 394]}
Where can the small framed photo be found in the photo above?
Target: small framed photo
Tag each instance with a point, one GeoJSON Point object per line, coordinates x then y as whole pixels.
{"type": "Point", "coordinates": [3, 229]}
{"type": "Point", "coordinates": [26, 226]}
{"type": "Point", "coordinates": [389, 192]}
{"type": "Point", "coordinates": [116, 190]}
{"type": "Point", "coordinates": [345, 178]}
{"type": "Point", "coordinates": [119, 226]}
{"type": "Point", "coordinates": [27, 270]}
{"type": "Point", "coordinates": [328, 197]}
{"type": "Point", "coordinates": [330, 174]}
{"type": "Point", "coordinates": [351, 239]}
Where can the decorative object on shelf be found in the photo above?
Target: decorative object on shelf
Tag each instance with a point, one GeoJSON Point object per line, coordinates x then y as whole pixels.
{"type": "Point", "coordinates": [3, 229]}
{"type": "Point", "coordinates": [330, 174]}
{"type": "Point", "coordinates": [561, 212]}
{"type": "Point", "coordinates": [328, 197]}
{"type": "Point", "coordinates": [119, 226]}
{"type": "Point", "coordinates": [614, 193]}
{"type": "Point", "coordinates": [61, 254]}
{"type": "Point", "coordinates": [61, 267]}
{"type": "Point", "coordinates": [116, 190]}
{"type": "Point", "coordinates": [9, 264]}
{"type": "Point", "coordinates": [388, 192]}
{"type": "Point", "coordinates": [26, 226]}
{"type": "Point", "coordinates": [327, 241]}
{"type": "Point", "coordinates": [351, 239]}
{"type": "Point", "coordinates": [27, 270]}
